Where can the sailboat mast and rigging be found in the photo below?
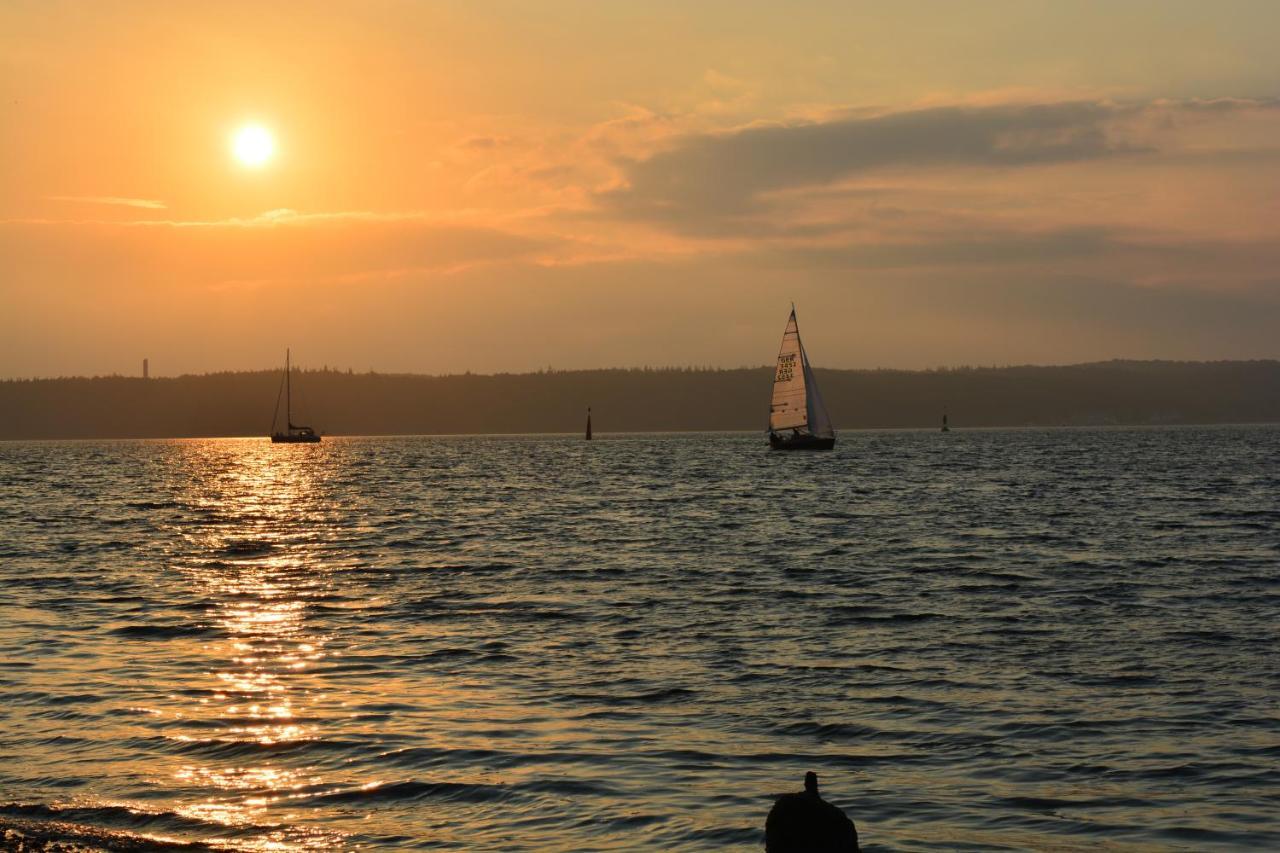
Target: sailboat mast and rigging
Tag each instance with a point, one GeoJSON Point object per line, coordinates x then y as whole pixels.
{"type": "Point", "coordinates": [798, 418]}
{"type": "Point", "coordinates": [292, 434]}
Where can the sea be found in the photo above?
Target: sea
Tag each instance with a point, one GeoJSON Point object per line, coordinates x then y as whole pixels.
{"type": "Point", "coordinates": [1029, 639]}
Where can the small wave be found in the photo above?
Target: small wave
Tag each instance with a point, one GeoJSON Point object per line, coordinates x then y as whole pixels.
{"type": "Point", "coordinates": [411, 791]}
{"type": "Point", "coordinates": [246, 548]}
{"type": "Point", "coordinates": [498, 657]}
{"type": "Point", "coordinates": [100, 826]}
{"type": "Point", "coordinates": [164, 632]}
{"type": "Point", "coordinates": [652, 697]}
{"type": "Point", "coordinates": [568, 787]}
{"type": "Point", "coordinates": [837, 616]}
{"type": "Point", "coordinates": [740, 837]}
{"type": "Point", "coordinates": [468, 568]}
{"type": "Point", "coordinates": [224, 748]}
{"type": "Point", "coordinates": [831, 731]}
{"type": "Point", "coordinates": [629, 823]}
{"type": "Point", "coordinates": [1203, 637]}
{"type": "Point", "coordinates": [62, 837]}
{"type": "Point", "coordinates": [1051, 805]}
{"type": "Point", "coordinates": [40, 697]}
{"type": "Point", "coordinates": [453, 653]}
{"type": "Point", "coordinates": [151, 504]}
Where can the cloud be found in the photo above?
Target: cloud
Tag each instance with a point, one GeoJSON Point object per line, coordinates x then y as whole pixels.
{"type": "Point", "coordinates": [147, 203]}
{"type": "Point", "coordinates": [957, 249]}
{"type": "Point", "coordinates": [717, 183]}
{"type": "Point", "coordinates": [1142, 258]}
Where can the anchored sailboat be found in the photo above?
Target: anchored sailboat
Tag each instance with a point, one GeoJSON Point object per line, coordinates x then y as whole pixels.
{"type": "Point", "coordinates": [588, 423]}
{"type": "Point", "coordinates": [292, 434]}
{"type": "Point", "coordinates": [798, 419]}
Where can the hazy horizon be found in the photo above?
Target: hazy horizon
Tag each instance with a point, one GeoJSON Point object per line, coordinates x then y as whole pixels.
{"type": "Point", "coordinates": [439, 187]}
{"type": "Point", "coordinates": [553, 368]}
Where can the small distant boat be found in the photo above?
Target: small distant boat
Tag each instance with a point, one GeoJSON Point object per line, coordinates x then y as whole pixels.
{"type": "Point", "coordinates": [293, 434]}
{"type": "Point", "coordinates": [798, 418]}
{"type": "Point", "coordinates": [945, 428]}
{"type": "Point", "coordinates": [588, 423]}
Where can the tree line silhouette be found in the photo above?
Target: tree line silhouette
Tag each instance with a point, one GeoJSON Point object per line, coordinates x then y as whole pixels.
{"type": "Point", "coordinates": [644, 399]}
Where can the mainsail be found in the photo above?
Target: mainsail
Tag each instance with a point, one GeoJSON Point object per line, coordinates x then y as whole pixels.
{"type": "Point", "coordinates": [790, 405]}
{"type": "Point", "coordinates": [796, 404]}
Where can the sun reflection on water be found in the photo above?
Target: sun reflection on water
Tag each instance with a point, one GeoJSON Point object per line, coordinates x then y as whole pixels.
{"type": "Point", "coordinates": [259, 566]}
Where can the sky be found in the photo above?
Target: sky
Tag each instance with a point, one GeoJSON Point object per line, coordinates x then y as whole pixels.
{"type": "Point", "coordinates": [511, 186]}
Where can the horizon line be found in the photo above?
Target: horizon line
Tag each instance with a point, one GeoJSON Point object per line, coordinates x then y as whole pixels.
{"type": "Point", "coordinates": [550, 370]}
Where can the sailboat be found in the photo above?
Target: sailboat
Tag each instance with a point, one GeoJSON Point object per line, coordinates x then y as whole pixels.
{"type": "Point", "coordinates": [292, 434]}
{"type": "Point", "coordinates": [798, 418]}
{"type": "Point", "coordinates": [588, 423]}
{"type": "Point", "coordinates": [945, 427]}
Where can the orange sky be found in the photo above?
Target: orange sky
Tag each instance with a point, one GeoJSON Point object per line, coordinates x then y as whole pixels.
{"type": "Point", "coordinates": [511, 185]}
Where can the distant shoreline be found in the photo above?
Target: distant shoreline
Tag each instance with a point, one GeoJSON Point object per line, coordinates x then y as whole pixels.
{"type": "Point", "coordinates": [238, 405]}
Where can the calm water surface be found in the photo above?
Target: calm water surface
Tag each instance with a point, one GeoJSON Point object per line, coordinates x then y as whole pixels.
{"type": "Point", "coordinates": [1042, 640]}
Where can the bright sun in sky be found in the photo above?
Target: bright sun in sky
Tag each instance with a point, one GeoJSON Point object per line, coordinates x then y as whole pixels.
{"type": "Point", "coordinates": [253, 145]}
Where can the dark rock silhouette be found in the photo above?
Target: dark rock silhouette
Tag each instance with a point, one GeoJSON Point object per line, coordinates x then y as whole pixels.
{"type": "Point", "coordinates": [806, 823]}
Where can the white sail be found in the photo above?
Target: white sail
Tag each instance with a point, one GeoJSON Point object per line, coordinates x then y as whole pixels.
{"type": "Point", "coordinates": [790, 406]}
{"type": "Point", "coordinates": [819, 420]}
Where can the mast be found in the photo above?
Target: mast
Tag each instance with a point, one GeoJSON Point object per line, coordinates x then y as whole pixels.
{"type": "Point", "coordinates": [288, 394]}
{"type": "Point", "coordinates": [588, 423]}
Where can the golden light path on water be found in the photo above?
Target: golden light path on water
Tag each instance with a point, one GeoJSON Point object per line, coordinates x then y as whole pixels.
{"type": "Point", "coordinates": [272, 547]}
{"type": "Point", "coordinates": [264, 688]}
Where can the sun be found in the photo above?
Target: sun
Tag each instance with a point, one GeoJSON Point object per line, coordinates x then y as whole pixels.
{"type": "Point", "coordinates": [253, 145]}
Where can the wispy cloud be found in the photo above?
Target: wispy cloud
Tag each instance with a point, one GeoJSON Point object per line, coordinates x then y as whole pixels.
{"type": "Point", "coordinates": [276, 246]}
{"type": "Point", "coordinates": [282, 216]}
{"type": "Point", "coordinates": [145, 203]}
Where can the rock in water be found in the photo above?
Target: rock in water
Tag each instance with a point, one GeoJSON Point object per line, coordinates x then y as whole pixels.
{"type": "Point", "coordinates": [806, 823]}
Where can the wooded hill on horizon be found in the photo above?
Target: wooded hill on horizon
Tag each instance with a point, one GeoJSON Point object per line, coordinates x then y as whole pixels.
{"type": "Point", "coordinates": [637, 400]}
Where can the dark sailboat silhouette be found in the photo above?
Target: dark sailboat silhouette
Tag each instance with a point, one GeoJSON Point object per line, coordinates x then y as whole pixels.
{"type": "Point", "coordinates": [588, 423]}
{"type": "Point", "coordinates": [798, 418]}
{"type": "Point", "coordinates": [945, 428]}
{"type": "Point", "coordinates": [292, 434]}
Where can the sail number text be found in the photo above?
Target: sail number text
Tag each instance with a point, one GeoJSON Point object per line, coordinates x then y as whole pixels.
{"type": "Point", "coordinates": [786, 367]}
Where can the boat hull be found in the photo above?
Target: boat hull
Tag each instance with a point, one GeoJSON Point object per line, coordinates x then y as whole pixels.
{"type": "Point", "coordinates": [284, 438]}
{"type": "Point", "coordinates": [800, 442]}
